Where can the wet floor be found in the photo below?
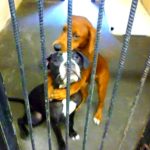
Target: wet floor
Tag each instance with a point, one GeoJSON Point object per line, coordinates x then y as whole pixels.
{"type": "Point", "coordinates": [110, 46]}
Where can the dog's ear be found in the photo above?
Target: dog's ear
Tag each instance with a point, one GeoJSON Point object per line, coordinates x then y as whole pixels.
{"type": "Point", "coordinates": [86, 62]}
{"type": "Point", "coordinates": [48, 59]}
{"type": "Point", "coordinates": [92, 34]}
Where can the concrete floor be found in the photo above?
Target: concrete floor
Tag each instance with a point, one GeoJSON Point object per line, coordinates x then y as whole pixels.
{"type": "Point", "coordinates": [55, 16]}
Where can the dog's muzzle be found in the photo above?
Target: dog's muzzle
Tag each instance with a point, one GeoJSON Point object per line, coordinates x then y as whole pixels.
{"type": "Point", "coordinates": [75, 74]}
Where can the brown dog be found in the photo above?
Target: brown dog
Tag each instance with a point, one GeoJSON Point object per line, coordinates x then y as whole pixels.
{"type": "Point", "coordinates": [83, 39]}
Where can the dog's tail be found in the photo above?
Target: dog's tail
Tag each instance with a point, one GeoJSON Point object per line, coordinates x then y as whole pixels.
{"type": "Point", "coordinates": [17, 100]}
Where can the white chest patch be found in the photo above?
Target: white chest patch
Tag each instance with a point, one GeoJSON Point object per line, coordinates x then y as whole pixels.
{"type": "Point", "coordinates": [72, 107]}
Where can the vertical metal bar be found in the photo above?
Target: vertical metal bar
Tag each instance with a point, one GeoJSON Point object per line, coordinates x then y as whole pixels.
{"type": "Point", "coordinates": [69, 47]}
{"type": "Point", "coordinates": [45, 73]}
{"type": "Point", "coordinates": [7, 131]}
{"type": "Point", "coordinates": [120, 69]}
{"type": "Point", "coordinates": [136, 100]}
{"type": "Point", "coordinates": [3, 140]}
{"type": "Point", "coordinates": [92, 79]}
{"type": "Point", "coordinates": [21, 66]}
{"type": "Point", "coordinates": [93, 1]}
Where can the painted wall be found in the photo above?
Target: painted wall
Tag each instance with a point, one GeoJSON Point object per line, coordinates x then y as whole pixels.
{"type": "Point", "coordinates": [4, 12]}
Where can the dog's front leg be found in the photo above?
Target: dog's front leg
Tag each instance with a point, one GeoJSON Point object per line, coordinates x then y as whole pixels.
{"type": "Point", "coordinates": [72, 133]}
{"type": "Point", "coordinates": [60, 94]}
{"type": "Point", "coordinates": [58, 134]}
{"type": "Point", "coordinates": [22, 122]}
{"type": "Point", "coordinates": [50, 86]}
{"type": "Point", "coordinates": [102, 79]}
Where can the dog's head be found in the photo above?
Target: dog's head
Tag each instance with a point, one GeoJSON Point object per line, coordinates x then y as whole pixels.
{"type": "Point", "coordinates": [83, 36]}
{"type": "Point", "coordinates": [57, 65]}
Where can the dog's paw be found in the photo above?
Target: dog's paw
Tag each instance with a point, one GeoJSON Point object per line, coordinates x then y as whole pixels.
{"type": "Point", "coordinates": [61, 144]}
{"type": "Point", "coordinates": [97, 117]}
{"type": "Point", "coordinates": [23, 130]}
{"type": "Point", "coordinates": [96, 121]}
{"type": "Point", "coordinates": [24, 135]}
{"type": "Point", "coordinates": [77, 137]}
{"type": "Point", "coordinates": [74, 136]}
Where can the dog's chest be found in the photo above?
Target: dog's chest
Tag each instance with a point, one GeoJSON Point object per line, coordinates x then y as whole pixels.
{"type": "Point", "coordinates": [58, 109]}
{"type": "Point", "coordinates": [72, 104]}
{"type": "Point", "coordinates": [72, 107]}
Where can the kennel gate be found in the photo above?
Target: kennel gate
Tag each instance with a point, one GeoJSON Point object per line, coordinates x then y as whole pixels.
{"type": "Point", "coordinates": [7, 132]}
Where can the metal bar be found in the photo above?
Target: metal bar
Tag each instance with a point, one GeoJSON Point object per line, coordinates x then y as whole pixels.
{"type": "Point", "coordinates": [69, 54]}
{"type": "Point", "coordinates": [45, 73]}
{"type": "Point", "coordinates": [93, 1]}
{"type": "Point", "coordinates": [136, 100]}
{"type": "Point", "coordinates": [21, 66]}
{"type": "Point", "coordinates": [3, 140]}
{"type": "Point", "coordinates": [7, 132]}
{"type": "Point", "coordinates": [92, 79]}
{"type": "Point", "coordinates": [120, 69]}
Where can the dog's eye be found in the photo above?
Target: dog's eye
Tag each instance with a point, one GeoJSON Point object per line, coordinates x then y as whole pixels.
{"type": "Point", "coordinates": [75, 36]}
{"type": "Point", "coordinates": [76, 57]}
{"type": "Point", "coordinates": [64, 28]}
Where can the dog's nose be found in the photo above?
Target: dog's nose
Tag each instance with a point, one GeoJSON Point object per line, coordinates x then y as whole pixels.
{"type": "Point", "coordinates": [57, 47]}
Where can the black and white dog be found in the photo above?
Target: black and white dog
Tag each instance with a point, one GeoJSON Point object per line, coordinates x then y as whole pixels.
{"type": "Point", "coordinates": [57, 65]}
